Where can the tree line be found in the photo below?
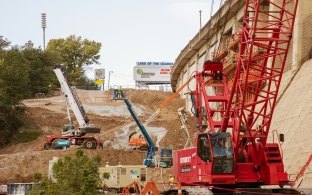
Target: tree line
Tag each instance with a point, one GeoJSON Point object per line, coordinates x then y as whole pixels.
{"type": "Point", "coordinates": [26, 70]}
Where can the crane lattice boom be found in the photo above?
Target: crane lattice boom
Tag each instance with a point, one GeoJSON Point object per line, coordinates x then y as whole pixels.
{"type": "Point", "coordinates": [234, 113]}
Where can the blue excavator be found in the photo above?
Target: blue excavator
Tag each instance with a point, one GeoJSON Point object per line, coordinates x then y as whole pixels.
{"type": "Point", "coordinates": [145, 142]}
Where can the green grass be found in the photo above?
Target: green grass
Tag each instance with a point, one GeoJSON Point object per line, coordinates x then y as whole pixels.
{"type": "Point", "coordinates": [28, 132]}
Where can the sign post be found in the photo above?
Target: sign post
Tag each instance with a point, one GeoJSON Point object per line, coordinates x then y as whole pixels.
{"type": "Point", "coordinates": [99, 75]}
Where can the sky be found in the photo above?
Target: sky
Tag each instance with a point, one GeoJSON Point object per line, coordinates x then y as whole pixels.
{"type": "Point", "coordinates": [130, 31]}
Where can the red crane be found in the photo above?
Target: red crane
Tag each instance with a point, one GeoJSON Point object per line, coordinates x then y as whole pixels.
{"type": "Point", "coordinates": [234, 118]}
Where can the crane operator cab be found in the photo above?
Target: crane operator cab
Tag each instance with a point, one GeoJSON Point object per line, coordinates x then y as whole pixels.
{"type": "Point", "coordinates": [216, 148]}
{"type": "Point", "coordinates": [69, 130]}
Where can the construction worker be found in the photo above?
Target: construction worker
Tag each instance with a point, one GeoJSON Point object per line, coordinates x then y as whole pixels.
{"type": "Point", "coordinates": [107, 165]}
{"type": "Point", "coordinates": [171, 182]}
{"type": "Point", "coordinates": [115, 91]}
{"type": "Point", "coordinates": [119, 92]}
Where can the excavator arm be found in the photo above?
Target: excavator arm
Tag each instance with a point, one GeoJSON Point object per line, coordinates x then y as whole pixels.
{"type": "Point", "coordinates": [151, 148]}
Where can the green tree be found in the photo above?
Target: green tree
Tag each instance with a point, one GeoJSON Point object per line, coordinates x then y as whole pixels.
{"type": "Point", "coordinates": [13, 88]}
{"type": "Point", "coordinates": [75, 174]}
{"type": "Point", "coordinates": [40, 64]}
{"type": "Point", "coordinates": [4, 43]}
{"type": "Point", "coordinates": [36, 177]}
{"type": "Point", "coordinates": [24, 71]}
{"type": "Point", "coordinates": [27, 70]}
{"type": "Point", "coordinates": [14, 77]}
{"type": "Point", "coordinates": [44, 187]}
{"type": "Point", "coordinates": [76, 55]}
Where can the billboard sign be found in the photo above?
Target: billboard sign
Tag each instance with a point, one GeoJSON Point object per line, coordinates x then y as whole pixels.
{"type": "Point", "coordinates": [152, 73]}
{"type": "Point", "coordinates": [154, 64]}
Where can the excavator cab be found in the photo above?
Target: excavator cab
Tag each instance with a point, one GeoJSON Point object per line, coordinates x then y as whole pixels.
{"type": "Point", "coordinates": [217, 148]}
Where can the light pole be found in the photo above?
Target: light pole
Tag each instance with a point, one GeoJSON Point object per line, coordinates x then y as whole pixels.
{"type": "Point", "coordinates": [43, 25]}
{"type": "Point", "coordinates": [200, 22]}
{"type": "Point", "coordinates": [109, 73]}
{"type": "Point", "coordinates": [211, 9]}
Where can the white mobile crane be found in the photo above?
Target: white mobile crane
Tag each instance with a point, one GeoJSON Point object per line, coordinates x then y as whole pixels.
{"type": "Point", "coordinates": [70, 135]}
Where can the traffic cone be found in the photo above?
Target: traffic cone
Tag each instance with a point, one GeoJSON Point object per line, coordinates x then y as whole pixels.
{"type": "Point", "coordinates": [179, 189]}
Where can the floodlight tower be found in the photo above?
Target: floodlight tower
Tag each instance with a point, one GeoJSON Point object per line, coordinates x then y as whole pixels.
{"type": "Point", "coordinates": [43, 25]}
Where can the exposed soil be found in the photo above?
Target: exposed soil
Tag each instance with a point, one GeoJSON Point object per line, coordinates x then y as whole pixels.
{"type": "Point", "coordinates": [18, 162]}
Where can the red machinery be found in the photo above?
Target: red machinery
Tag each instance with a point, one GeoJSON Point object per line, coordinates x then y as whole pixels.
{"type": "Point", "coordinates": [234, 151]}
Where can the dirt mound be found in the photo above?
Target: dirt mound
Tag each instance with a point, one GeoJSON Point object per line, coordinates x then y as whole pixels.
{"type": "Point", "coordinates": [168, 117]}
{"type": "Point", "coordinates": [154, 99]}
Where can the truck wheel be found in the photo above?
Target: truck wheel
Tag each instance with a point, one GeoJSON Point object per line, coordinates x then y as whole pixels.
{"type": "Point", "coordinates": [89, 144]}
{"type": "Point", "coordinates": [101, 145]}
{"type": "Point", "coordinates": [47, 146]}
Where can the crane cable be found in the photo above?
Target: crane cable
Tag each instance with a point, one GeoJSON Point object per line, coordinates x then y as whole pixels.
{"type": "Point", "coordinates": [207, 43]}
{"type": "Point", "coordinates": [223, 29]}
{"type": "Point", "coordinates": [163, 105]}
{"type": "Point", "coordinates": [166, 102]}
{"type": "Point", "coordinates": [218, 27]}
{"type": "Point", "coordinates": [180, 89]}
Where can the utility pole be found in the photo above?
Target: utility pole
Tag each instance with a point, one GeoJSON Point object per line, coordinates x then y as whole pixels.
{"type": "Point", "coordinates": [43, 25]}
{"type": "Point", "coordinates": [109, 73]}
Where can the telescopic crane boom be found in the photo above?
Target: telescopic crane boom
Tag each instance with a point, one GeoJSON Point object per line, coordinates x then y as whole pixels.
{"type": "Point", "coordinates": [74, 103]}
{"type": "Point", "coordinates": [70, 135]}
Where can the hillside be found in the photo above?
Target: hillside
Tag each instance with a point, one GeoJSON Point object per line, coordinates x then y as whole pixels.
{"type": "Point", "coordinates": [18, 162]}
{"type": "Point", "coordinates": [292, 117]}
